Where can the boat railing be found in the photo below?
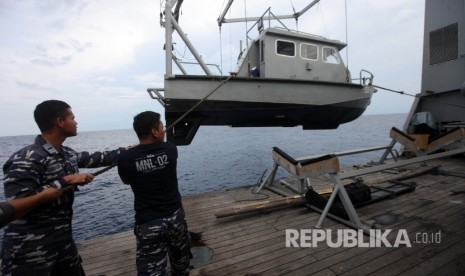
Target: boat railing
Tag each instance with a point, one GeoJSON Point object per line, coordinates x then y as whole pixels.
{"type": "Point", "coordinates": [267, 15]}
{"type": "Point", "coordinates": [364, 79]}
{"type": "Point", "coordinates": [319, 37]}
{"type": "Point", "coordinates": [196, 63]}
{"type": "Point", "coordinates": [155, 93]}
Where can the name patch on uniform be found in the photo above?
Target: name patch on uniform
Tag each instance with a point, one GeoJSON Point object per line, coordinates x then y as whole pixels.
{"type": "Point", "coordinates": [152, 163]}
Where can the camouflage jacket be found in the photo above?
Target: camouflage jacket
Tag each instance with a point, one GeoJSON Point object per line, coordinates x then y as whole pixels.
{"type": "Point", "coordinates": [7, 213]}
{"type": "Point", "coordinates": [28, 172]}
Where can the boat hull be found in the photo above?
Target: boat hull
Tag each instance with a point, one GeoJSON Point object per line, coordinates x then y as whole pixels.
{"type": "Point", "coordinates": [248, 102]}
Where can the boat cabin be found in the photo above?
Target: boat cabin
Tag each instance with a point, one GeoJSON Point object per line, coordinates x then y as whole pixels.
{"type": "Point", "coordinates": [283, 78]}
{"type": "Point", "coordinates": [281, 53]}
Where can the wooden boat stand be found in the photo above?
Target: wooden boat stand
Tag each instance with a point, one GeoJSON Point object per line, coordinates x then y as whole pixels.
{"type": "Point", "coordinates": [303, 168]}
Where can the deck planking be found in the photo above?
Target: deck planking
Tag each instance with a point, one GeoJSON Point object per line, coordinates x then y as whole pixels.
{"type": "Point", "coordinates": [254, 244]}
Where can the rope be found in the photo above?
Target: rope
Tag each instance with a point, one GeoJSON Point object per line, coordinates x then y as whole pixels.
{"type": "Point", "coordinates": [417, 96]}
{"type": "Point", "coordinates": [72, 186]}
{"type": "Point", "coordinates": [173, 124]}
{"type": "Point", "coordinates": [292, 5]}
{"type": "Point", "coordinates": [177, 9]}
{"type": "Point", "coordinates": [197, 104]}
{"type": "Point", "coordinates": [225, 81]}
{"type": "Point", "coordinates": [103, 170]}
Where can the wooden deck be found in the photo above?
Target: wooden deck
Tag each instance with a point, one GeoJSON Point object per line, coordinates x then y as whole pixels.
{"type": "Point", "coordinates": [254, 244]}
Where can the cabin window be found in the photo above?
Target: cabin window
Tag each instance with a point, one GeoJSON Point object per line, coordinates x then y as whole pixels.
{"type": "Point", "coordinates": [330, 55]}
{"type": "Point", "coordinates": [444, 44]}
{"type": "Point", "coordinates": [285, 48]}
{"type": "Point", "coordinates": [308, 51]}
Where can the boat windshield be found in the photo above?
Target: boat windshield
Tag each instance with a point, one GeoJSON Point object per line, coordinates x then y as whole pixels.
{"type": "Point", "coordinates": [330, 55]}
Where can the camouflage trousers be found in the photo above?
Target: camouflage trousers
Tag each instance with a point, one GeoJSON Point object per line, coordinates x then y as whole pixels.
{"type": "Point", "coordinates": [162, 239]}
{"type": "Point", "coordinates": [56, 259]}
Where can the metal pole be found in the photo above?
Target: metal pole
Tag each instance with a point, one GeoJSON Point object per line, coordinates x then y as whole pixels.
{"type": "Point", "coordinates": [190, 46]}
{"type": "Point", "coordinates": [226, 9]}
{"type": "Point", "coordinates": [168, 40]}
{"type": "Point", "coordinates": [400, 163]}
{"type": "Point", "coordinates": [309, 6]}
{"type": "Point", "coordinates": [289, 16]}
{"type": "Point", "coordinates": [325, 211]}
{"type": "Point", "coordinates": [184, 72]}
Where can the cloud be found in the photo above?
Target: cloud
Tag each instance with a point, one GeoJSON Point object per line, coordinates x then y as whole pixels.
{"type": "Point", "coordinates": [33, 86]}
{"type": "Point", "coordinates": [148, 78]}
{"type": "Point", "coordinates": [52, 61]}
{"type": "Point", "coordinates": [102, 55]}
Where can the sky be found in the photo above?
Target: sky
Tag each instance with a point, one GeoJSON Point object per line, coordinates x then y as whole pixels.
{"type": "Point", "coordinates": [100, 56]}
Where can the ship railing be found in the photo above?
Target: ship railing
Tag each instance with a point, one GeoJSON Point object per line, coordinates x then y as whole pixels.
{"type": "Point", "coordinates": [314, 36]}
{"type": "Point", "coordinates": [195, 63]}
{"type": "Point", "coordinates": [267, 15]}
{"type": "Point", "coordinates": [155, 93]}
{"type": "Point", "coordinates": [365, 77]}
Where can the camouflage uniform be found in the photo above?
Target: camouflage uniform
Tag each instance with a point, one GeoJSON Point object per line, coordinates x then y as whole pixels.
{"type": "Point", "coordinates": [42, 241]}
{"type": "Point", "coordinates": [159, 238]}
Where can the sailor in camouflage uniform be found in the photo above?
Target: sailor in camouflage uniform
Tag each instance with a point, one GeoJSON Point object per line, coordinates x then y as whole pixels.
{"type": "Point", "coordinates": [161, 228]}
{"type": "Point", "coordinates": [16, 208]}
{"type": "Point", "coordinates": [41, 243]}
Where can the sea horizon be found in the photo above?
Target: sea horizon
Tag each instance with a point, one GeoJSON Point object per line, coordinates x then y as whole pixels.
{"type": "Point", "coordinates": [130, 127]}
{"type": "Point", "coordinates": [218, 158]}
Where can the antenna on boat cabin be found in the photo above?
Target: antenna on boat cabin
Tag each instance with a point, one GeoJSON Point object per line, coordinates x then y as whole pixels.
{"type": "Point", "coordinates": [296, 18]}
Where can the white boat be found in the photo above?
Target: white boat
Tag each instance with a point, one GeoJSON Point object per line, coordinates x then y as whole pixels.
{"type": "Point", "coordinates": [283, 78]}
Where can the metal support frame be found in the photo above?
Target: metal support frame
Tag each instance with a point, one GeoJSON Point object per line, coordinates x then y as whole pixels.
{"type": "Point", "coordinates": [405, 140]}
{"type": "Point", "coordinates": [304, 183]}
{"type": "Point", "coordinates": [303, 169]}
{"type": "Point", "coordinates": [168, 40]}
{"type": "Point", "coordinates": [188, 44]}
{"type": "Point", "coordinates": [355, 221]}
{"type": "Point", "coordinates": [339, 189]}
{"type": "Point", "coordinates": [388, 150]}
{"type": "Point", "coordinates": [170, 26]}
{"type": "Point", "coordinates": [222, 18]}
{"type": "Point", "coordinates": [178, 63]}
{"type": "Point", "coordinates": [269, 178]}
{"type": "Point", "coordinates": [456, 137]}
{"type": "Point", "coordinates": [158, 96]}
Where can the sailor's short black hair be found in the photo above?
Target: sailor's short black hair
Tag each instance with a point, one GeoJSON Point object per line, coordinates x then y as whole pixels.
{"type": "Point", "coordinates": [47, 112]}
{"type": "Point", "coordinates": [144, 122]}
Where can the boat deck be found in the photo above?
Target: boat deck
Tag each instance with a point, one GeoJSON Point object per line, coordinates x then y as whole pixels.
{"type": "Point", "coordinates": [254, 244]}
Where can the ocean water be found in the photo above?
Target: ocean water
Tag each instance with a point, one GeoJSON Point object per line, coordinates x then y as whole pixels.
{"type": "Point", "coordinates": [219, 158]}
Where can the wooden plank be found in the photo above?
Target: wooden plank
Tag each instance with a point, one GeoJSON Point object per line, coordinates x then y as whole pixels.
{"type": "Point", "coordinates": [306, 168]}
{"type": "Point", "coordinates": [254, 244]}
{"type": "Point", "coordinates": [453, 136]}
{"type": "Point", "coordinates": [454, 267]}
{"type": "Point", "coordinates": [331, 252]}
{"type": "Point", "coordinates": [443, 251]}
{"type": "Point", "coordinates": [378, 256]}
